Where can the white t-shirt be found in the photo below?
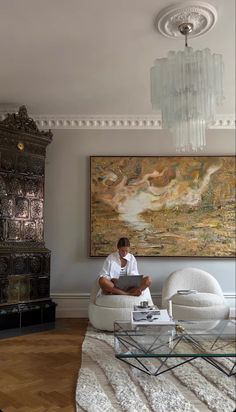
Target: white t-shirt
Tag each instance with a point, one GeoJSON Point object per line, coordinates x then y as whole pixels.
{"type": "Point", "coordinates": [123, 271]}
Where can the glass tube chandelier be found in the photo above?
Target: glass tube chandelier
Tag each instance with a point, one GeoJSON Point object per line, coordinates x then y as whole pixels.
{"type": "Point", "coordinates": [187, 86]}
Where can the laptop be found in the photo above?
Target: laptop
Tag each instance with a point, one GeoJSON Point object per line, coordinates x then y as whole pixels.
{"type": "Point", "coordinates": [129, 281]}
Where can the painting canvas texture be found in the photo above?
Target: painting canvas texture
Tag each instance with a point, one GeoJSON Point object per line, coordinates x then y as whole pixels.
{"type": "Point", "coordinates": [166, 206]}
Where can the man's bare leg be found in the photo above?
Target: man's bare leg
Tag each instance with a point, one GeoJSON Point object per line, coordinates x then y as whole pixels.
{"type": "Point", "coordinates": [109, 287]}
{"type": "Point", "coordinates": [145, 283]}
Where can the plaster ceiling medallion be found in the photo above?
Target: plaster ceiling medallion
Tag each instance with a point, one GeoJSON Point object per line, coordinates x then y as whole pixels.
{"type": "Point", "coordinates": [201, 15]}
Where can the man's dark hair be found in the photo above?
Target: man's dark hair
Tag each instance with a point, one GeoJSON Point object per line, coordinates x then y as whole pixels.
{"type": "Point", "coordinates": [123, 241]}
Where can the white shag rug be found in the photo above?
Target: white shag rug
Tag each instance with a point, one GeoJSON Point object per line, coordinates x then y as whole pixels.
{"type": "Point", "coordinates": [106, 384]}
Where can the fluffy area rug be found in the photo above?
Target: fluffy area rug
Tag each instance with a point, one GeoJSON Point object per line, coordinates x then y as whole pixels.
{"type": "Point", "coordinates": [108, 385]}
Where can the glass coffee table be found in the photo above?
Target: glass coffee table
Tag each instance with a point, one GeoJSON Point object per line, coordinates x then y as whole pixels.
{"type": "Point", "coordinates": [156, 349]}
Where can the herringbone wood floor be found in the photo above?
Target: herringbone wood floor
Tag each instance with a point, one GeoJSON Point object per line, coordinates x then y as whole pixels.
{"type": "Point", "coordinates": [38, 372]}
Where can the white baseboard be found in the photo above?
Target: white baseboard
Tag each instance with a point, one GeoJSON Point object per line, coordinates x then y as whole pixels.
{"type": "Point", "coordinates": [71, 305]}
{"type": "Point", "coordinates": [75, 305]}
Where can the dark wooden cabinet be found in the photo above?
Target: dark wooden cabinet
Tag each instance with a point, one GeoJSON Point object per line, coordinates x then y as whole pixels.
{"type": "Point", "coordinates": [24, 259]}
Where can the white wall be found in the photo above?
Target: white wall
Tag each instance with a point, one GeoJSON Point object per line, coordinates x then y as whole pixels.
{"type": "Point", "coordinates": [67, 206]}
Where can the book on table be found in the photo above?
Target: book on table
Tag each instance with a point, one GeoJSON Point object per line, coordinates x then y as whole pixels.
{"type": "Point", "coordinates": [147, 317]}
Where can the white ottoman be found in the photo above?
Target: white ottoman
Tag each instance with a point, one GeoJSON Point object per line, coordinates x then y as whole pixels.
{"type": "Point", "coordinates": [104, 310]}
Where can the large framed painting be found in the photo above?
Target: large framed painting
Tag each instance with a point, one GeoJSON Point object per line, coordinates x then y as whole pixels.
{"type": "Point", "coordinates": [167, 206]}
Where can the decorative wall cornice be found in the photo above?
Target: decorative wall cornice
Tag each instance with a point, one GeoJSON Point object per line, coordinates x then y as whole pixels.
{"type": "Point", "coordinates": [96, 122]}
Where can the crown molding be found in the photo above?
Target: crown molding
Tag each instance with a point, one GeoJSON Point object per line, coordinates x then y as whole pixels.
{"type": "Point", "coordinates": [96, 122]}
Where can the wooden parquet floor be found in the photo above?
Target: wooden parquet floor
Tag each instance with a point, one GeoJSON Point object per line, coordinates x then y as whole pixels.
{"type": "Point", "coordinates": [38, 371]}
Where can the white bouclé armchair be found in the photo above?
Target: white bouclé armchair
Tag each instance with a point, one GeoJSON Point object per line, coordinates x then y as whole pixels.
{"type": "Point", "coordinates": [104, 310]}
{"type": "Point", "coordinates": [207, 303]}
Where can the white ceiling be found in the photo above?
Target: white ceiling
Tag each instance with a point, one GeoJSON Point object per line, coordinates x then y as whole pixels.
{"type": "Point", "coordinates": [93, 56]}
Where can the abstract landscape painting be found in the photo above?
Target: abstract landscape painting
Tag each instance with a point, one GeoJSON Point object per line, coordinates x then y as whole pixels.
{"type": "Point", "coordinates": [166, 206]}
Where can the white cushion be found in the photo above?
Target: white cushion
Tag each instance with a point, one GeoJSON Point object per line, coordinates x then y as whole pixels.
{"type": "Point", "coordinates": [197, 299]}
{"type": "Point", "coordinates": [122, 301]}
{"type": "Point", "coordinates": [200, 313]}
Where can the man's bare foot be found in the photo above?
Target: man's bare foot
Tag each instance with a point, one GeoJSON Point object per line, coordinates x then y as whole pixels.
{"type": "Point", "coordinates": [134, 292]}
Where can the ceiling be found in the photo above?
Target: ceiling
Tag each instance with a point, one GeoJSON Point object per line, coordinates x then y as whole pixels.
{"type": "Point", "coordinates": [92, 57]}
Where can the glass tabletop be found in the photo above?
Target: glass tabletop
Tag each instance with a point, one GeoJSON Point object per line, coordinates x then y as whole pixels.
{"type": "Point", "coordinates": [215, 338]}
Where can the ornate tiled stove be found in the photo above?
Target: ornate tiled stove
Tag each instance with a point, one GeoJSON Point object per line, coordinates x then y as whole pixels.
{"type": "Point", "coordinates": [24, 259]}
